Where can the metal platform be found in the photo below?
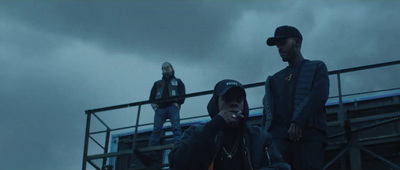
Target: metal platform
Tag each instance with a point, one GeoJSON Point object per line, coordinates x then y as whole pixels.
{"type": "Point", "coordinates": [364, 132]}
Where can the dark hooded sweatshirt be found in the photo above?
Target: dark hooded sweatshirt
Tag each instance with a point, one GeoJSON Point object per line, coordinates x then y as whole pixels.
{"type": "Point", "coordinates": [200, 147]}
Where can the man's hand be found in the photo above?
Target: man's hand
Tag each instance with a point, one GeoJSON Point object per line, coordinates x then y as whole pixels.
{"type": "Point", "coordinates": [176, 105]}
{"type": "Point", "coordinates": [294, 132]}
{"type": "Point", "coordinates": [154, 106]}
{"type": "Point", "coordinates": [231, 116]}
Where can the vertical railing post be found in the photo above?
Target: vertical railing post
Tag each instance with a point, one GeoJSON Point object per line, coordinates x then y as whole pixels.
{"type": "Point", "coordinates": [85, 149]}
{"type": "Point", "coordinates": [342, 115]}
{"type": "Point", "coordinates": [106, 147]}
{"type": "Point", "coordinates": [136, 130]}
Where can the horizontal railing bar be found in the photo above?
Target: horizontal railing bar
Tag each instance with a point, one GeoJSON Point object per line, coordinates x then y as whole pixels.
{"type": "Point", "coordinates": [367, 118]}
{"type": "Point", "coordinates": [128, 127]}
{"type": "Point", "coordinates": [376, 91]}
{"type": "Point", "coordinates": [112, 154]}
{"type": "Point", "coordinates": [155, 148]}
{"type": "Point", "coordinates": [356, 120]}
{"type": "Point", "coordinates": [195, 117]}
{"type": "Point", "coordinates": [256, 108]}
{"type": "Point", "coordinates": [395, 136]}
{"type": "Point", "coordinates": [121, 128]}
{"type": "Point", "coordinates": [332, 123]}
{"type": "Point", "coordinates": [372, 125]}
{"type": "Point", "coordinates": [147, 124]}
{"type": "Point", "coordinates": [364, 67]}
{"type": "Point", "coordinates": [368, 141]}
{"type": "Point", "coordinates": [246, 86]}
{"type": "Point", "coordinates": [126, 152]}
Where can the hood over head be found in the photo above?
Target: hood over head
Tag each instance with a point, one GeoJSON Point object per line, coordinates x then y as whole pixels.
{"type": "Point", "coordinates": [219, 90]}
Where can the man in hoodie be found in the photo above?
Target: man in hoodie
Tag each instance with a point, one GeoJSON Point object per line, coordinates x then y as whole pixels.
{"type": "Point", "coordinates": [227, 142]}
{"type": "Point", "coordinates": [294, 103]}
{"type": "Point", "coordinates": [167, 87]}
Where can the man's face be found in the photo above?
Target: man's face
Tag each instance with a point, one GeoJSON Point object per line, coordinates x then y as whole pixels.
{"type": "Point", "coordinates": [167, 70]}
{"type": "Point", "coordinates": [287, 49]}
{"type": "Point", "coordinates": [233, 99]}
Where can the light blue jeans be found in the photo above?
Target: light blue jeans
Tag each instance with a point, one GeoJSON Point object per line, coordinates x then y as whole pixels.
{"type": "Point", "coordinates": [161, 115]}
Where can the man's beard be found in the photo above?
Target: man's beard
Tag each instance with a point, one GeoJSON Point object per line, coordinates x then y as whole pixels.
{"type": "Point", "coordinates": [167, 74]}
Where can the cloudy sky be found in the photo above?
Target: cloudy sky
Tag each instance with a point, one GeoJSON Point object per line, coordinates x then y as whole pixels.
{"type": "Point", "coordinates": [60, 58]}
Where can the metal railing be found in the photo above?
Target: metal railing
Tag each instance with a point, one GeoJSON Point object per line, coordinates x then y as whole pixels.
{"type": "Point", "coordinates": [89, 113]}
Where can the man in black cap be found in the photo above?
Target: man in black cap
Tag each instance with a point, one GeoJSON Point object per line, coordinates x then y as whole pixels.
{"type": "Point", "coordinates": [226, 142]}
{"type": "Point", "coordinates": [294, 103]}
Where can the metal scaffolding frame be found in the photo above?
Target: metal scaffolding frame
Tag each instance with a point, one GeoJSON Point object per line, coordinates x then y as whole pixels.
{"type": "Point", "coordinates": [352, 140]}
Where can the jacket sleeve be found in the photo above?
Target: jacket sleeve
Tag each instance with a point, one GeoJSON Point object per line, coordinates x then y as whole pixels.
{"type": "Point", "coordinates": [268, 105]}
{"type": "Point", "coordinates": [181, 91]}
{"type": "Point", "coordinates": [197, 147]}
{"type": "Point", "coordinates": [314, 103]}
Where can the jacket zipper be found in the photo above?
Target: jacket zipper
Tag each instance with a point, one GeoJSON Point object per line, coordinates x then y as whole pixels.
{"type": "Point", "coordinates": [211, 167]}
{"type": "Point", "coordinates": [248, 154]}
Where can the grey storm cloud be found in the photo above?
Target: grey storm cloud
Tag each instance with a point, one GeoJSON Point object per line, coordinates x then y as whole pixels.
{"type": "Point", "coordinates": [161, 28]}
{"type": "Point", "coordinates": [193, 30]}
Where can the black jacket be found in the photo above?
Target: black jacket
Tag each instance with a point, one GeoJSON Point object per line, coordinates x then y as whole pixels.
{"type": "Point", "coordinates": [200, 144]}
{"type": "Point", "coordinates": [310, 96]}
{"type": "Point", "coordinates": [166, 82]}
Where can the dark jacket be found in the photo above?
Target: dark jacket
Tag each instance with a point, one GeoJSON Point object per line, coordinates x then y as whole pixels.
{"type": "Point", "coordinates": [168, 87]}
{"type": "Point", "coordinates": [310, 95]}
{"type": "Point", "coordinates": [200, 144]}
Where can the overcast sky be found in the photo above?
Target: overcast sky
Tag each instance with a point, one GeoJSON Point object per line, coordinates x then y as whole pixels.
{"type": "Point", "coordinates": [60, 58]}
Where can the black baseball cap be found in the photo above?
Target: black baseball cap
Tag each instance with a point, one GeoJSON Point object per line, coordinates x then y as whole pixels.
{"type": "Point", "coordinates": [225, 85]}
{"type": "Point", "coordinates": [283, 32]}
{"type": "Point", "coordinates": [220, 89]}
